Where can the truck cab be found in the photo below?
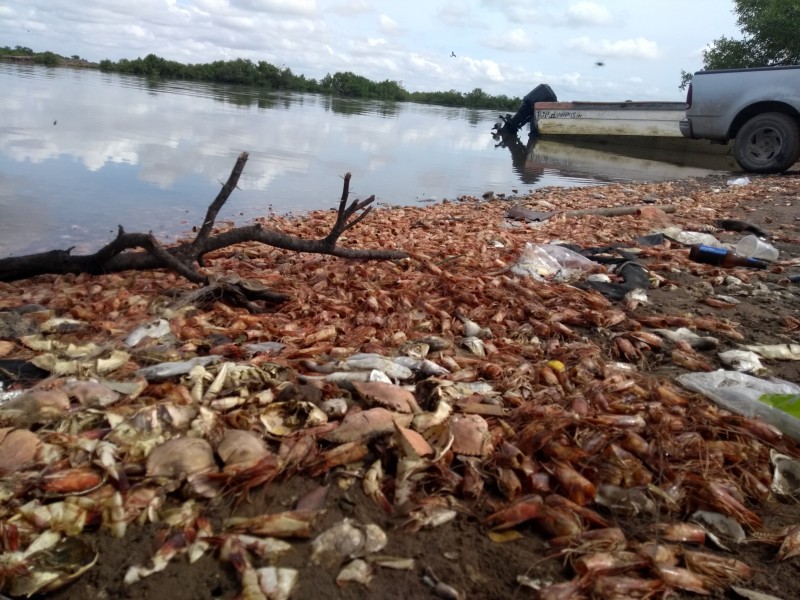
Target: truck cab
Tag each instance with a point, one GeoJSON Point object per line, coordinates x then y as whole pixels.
{"type": "Point", "coordinates": [758, 108]}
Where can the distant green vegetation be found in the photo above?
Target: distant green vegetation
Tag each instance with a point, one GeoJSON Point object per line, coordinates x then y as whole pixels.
{"type": "Point", "coordinates": [269, 77]}
{"type": "Point", "coordinates": [265, 75]}
{"type": "Point", "coordinates": [49, 59]}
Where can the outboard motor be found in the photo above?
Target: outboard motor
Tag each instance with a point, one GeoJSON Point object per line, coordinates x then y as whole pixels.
{"type": "Point", "coordinates": [541, 93]}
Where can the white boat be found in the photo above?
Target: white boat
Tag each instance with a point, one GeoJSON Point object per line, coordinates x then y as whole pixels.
{"type": "Point", "coordinates": [640, 119]}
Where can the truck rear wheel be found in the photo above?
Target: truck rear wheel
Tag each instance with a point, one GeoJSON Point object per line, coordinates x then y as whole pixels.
{"type": "Point", "coordinates": [768, 143]}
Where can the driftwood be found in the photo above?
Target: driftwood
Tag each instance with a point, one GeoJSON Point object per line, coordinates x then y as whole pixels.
{"type": "Point", "coordinates": [524, 214]}
{"type": "Point", "coordinates": [615, 211]}
{"type": "Point", "coordinates": [140, 251]}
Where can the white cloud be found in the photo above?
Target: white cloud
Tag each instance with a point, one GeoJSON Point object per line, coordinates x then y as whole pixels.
{"type": "Point", "coordinates": [316, 37]}
{"type": "Point", "coordinates": [515, 11]}
{"type": "Point", "coordinates": [388, 25]}
{"type": "Point", "coordinates": [353, 7]}
{"type": "Point", "coordinates": [455, 13]}
{"type": "Point", "coordinates": [632, 48]}
{"type": "Point", "coordinates": [516, 40]}
{"type": "Point", "coordinates": [422, 63]}
{"type": "Point", "coordinates": [292, 7]}
{"type": "Point", "coordinates": [588, 13]}
{"type": "Point", "coordinates": [484, 69]}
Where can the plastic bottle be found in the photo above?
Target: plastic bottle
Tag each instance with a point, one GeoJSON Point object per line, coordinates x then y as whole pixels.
{"type": "Point", "coordinates": [721, 257]}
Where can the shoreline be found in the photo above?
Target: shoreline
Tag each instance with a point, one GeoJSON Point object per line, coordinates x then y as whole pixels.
{"type": "Point", "coordinates": [569, 394]}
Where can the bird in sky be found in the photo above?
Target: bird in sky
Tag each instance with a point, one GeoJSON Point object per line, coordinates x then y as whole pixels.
{"type": "Point", "coordinates": [600, 63]}
{"type": "Point", "coordinates": [453, 54]}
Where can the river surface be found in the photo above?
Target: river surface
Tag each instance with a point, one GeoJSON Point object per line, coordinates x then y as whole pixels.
{"type": "Point", "coordinates": [82, 152]}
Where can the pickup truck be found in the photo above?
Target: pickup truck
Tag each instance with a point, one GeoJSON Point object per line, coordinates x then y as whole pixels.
{"type": "Point", "coordinates": [758, 108]}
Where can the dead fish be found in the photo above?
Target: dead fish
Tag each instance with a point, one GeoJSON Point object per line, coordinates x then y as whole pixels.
{"type": "Point", "coordinates": [339, 377]}
{"type": "Point", "coordinates": [434, 342]}
{"type": "Point", "coordinates": [742, 360]}
{"type": "Point", "coordinates": [474, 344]}
{"type": "Point", "coordinates": [745, 226]}
{"type": "Point", "coordinates": [684, 334]}
{"type": "Point", "coordinates": [472, 329]}
{"type": "Point", "coordinates": [367, 362]}
{"type": "Point", "coordinates": [422, 366]}
{"type": "Point", "coordinates": [268, 347]}
{"type": "Point", "coordinates": [157, 329]}
{"type": "Point", "coordinates": [171, 369]}
{"type": "Point", "coordinates": [415, 349]}
{"type": "Point", "coordinates": [776, 351]}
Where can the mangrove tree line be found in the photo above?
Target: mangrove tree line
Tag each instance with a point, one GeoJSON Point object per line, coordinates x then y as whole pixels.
{"type": "Point", "coordinates": [267, 76]}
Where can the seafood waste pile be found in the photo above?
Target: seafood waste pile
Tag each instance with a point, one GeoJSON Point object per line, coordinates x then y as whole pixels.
{"type": "Point", "coordinates": [447, 390]}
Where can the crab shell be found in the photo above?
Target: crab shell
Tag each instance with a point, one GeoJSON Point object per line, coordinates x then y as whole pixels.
{"type": "Point", "coordinates": [37, 406]}
{"type": "Point", "coordinates": [470, 435]}
{"type": "Point", "coordinates": [367, 424]}
{"type": "Point", "coordinates": [181, 457]}
{"type": "Point", "coordinates": [91, 393]}
{"type": "Point", "coordinates": [241, 447]}
{"type": "Point", "coordinates": [18, 448]}
{"type": "Point", "coordinates": [57, 564]}
{"type": "Point", "coordinates": [284, 418]}
{"type": "Point", "coordinates": [412, 443]}
{"type": "Point", "coordinates": [387, 395]}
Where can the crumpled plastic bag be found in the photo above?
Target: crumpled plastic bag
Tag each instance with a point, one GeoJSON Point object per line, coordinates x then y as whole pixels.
{"type": "Point", "coordinates": [687, 238]}
{"type": "Point", "coordinates": [550, 261]}
{"type": "Point", "coordinates": [772, 400]}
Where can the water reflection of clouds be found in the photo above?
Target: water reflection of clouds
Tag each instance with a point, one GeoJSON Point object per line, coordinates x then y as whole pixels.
{"type": "Point", "coordinates": [125, 150]}
{"type": "Point", "coordinates": [170, 135]}
{"type": "Point", "coordinates": [23, 221]}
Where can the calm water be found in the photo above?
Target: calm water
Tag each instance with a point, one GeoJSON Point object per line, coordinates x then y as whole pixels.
{"type": "Point", "coordinates": [82, 152]}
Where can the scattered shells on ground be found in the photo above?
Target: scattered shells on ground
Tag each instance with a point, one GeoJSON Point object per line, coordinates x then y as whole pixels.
{"type": "Point", "coordinates": [475, 391]}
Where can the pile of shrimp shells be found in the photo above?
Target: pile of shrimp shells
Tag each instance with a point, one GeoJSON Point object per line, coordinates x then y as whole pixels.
{"type": "Point", "coordinates": [520, 402]}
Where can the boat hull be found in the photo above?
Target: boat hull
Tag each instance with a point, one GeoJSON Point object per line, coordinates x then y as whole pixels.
{"type": "Point", "coordinates": [643, 119]}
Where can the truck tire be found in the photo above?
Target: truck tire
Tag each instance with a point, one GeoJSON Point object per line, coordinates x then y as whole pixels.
{"type": "Point", "coordinates": [767, 143]}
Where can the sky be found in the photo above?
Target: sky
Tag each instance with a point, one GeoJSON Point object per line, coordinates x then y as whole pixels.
{"type": "Point", "coordinates": [600, 50]}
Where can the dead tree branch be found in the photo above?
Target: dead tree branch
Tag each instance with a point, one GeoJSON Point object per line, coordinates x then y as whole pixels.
{"type": "Point", "coordinates": [140, 251]}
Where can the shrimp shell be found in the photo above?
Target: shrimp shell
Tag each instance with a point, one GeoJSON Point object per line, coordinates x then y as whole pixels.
{"type": "Point", "coordinates": [608, 563]}
{"type": "Point", "coordinates": [791, 544]}
{"type": "Point", "coordinates": [622, 586]}
{"type": "Point", "coordinates": [684, 579]}
{"type": "Point", "coordinates": [721, 569]}
{"type": "Point", "coordinates": [579, 489]}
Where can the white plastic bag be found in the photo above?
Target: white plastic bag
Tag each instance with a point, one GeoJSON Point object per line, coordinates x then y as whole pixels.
{"type": "Point", "coordinates": [689, 237]}
{"type": "Point", "coordinates": [550, 261]}
{"type": "Point", "coordinates": [741, 393]}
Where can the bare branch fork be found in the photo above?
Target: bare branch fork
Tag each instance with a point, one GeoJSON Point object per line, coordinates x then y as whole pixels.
{"type": "Point", "coordinates": [118, 255]}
